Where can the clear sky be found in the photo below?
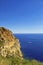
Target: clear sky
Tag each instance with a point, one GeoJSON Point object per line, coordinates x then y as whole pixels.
{"type": "Point", "coordinates": [22, 16]}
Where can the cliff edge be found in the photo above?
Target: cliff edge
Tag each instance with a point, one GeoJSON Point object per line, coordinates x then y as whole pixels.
{"type": "Point", "coordinates": [9, 44]}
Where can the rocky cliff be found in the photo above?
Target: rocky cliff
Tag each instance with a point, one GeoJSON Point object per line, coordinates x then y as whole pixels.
{"type": "Point", "coordinates": [9, 44]}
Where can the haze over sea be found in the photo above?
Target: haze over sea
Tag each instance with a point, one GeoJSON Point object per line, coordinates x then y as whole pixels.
{"type": "Point", "coordinates": [31, 45]}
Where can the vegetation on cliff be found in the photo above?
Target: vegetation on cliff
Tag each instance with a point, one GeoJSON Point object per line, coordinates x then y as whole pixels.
{"type": "Point", "coordinates": [9, 44]}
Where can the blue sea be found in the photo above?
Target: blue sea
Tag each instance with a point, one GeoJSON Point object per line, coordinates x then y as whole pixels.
{"type": "Point", "coordinates": [31, 45]}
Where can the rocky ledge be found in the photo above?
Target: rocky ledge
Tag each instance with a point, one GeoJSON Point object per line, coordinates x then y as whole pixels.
{"type": "Point", "coordinates": [9, 44]}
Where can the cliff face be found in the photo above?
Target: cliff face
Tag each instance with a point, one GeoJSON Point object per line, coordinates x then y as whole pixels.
{"type": "Point", "coordinates": [9, 44]}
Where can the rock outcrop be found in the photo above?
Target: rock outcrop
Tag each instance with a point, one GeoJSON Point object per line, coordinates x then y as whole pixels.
{"type": "Point", "coordinates": [9, 44]}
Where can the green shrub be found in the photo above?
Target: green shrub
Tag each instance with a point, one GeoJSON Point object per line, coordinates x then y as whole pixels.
{"type": "Point", "coordinates": [10, 60]}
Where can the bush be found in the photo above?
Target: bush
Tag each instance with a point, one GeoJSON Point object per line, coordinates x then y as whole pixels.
{"type": "Point", "coordinates": [10, 60]}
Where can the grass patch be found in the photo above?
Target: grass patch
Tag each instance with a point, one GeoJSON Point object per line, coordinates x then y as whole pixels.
{"type": "Point", "coordinates": [1, 43]}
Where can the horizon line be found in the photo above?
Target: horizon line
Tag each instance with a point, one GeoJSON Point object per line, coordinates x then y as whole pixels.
{"type": "Point", "coordinates": [28, 33]}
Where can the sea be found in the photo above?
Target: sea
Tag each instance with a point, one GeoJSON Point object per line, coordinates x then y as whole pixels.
{"type": "Point", "coordinates": [31, 46]}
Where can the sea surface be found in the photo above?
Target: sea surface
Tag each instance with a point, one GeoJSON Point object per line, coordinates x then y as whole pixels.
{"type": "Point", "coordinates": [31, 45]}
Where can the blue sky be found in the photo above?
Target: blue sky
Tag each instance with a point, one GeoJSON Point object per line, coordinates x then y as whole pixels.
{"type": "Point", "coordinates": [22, 16]}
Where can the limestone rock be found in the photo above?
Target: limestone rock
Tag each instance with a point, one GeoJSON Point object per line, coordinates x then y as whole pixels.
{"type": "Point", "coordinates": [9, 44]}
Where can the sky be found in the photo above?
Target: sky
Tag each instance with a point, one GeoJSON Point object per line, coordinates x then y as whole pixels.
{"type": "Point", "coordinates": [22, 16]}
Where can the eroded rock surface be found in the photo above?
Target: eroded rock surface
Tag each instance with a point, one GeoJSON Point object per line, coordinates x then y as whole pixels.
{"type": "Point", "coordinates": [9, 44]}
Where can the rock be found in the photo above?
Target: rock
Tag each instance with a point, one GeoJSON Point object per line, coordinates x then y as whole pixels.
{"type": "Point", "coordinates": [9, 44]}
